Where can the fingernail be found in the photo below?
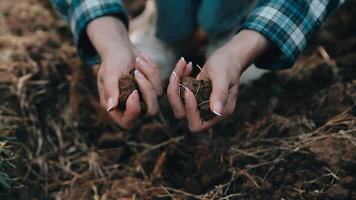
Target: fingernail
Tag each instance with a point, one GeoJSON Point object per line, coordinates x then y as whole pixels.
{"type": "Point", "coordinates": [138, 74]}
{"type": "Point", "coordinates": [190, 65]}
{"type": "Point", "coordinates": [182, 59]}
{"type": "Point", "coordinates": [110, 104]}
{"type": "Point", "coordinates": [173, 77]}
{"type": "Point", "coordinates": [135, 96]}
{"type": "Point", "coordinates": [217, 108]}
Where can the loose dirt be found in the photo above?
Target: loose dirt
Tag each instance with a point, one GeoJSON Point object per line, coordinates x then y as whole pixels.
{"type": "Point", "coordinates": [293, 135]}
{"type": "Point", "coordinates": [201, 90]}
{"type": "Point", "coordinates": [127, 85]}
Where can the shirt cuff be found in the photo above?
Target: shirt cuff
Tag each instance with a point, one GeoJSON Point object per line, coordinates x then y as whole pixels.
{"type": "Point", "coordinates": [83, 14]}
{"type": "Point", "coordinates": [288, 25]}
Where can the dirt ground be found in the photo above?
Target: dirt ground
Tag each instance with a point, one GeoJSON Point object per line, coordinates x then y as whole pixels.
{"type": "Point", "coordinates": [293, 135]}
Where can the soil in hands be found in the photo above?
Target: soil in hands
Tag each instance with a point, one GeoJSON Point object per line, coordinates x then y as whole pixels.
{"type": "Point", "coordinates": [202, 90]}
{"type": "Point", "coordinates": [128, 84]}
{"type": "Point", "coordinates": [292, 136]}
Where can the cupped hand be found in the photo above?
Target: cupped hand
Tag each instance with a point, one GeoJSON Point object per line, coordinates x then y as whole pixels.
{"type": "Point", "coordinates": [224, 74]}
{"type": "Point", "coordinates": [119, 57]}
{"type": "Point", "coordinates": [224, 68]}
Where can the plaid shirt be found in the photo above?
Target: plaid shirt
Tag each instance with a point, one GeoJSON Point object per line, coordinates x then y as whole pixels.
{"type": "Point", "coordinates": [288, 24]}
{"type": "Point", "coordinates": [79, 13]}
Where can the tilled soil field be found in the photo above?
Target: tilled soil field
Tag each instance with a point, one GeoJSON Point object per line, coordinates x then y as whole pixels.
{"type": "Point", "coordinates": [293, 135]}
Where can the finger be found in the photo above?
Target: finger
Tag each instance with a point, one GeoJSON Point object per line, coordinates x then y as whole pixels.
{"type": "Point", "coordinates": [173, 89]}
{"type": "Point", "coordinates": [127, 119]}
{"type": "Point", "coordinates": [188, 69]}
{"type": "Point", "coordinates": [132, 111]}
{"type": "Point", "coordinates": [117, 117]}
{"type": "Point", "coordinates": [148, 92]}
{"type": "Point", "coordinates": [150, 70]}
{"type": "Point", "coordinates": [219, 94]}
{"type": "Point", "coordinates": [202, 75]}
{"type": "Point", "coordinates": [191, 107]}
{"type": "Point", "coordinates": [111, 90]}
{"type": "Point", "coordinates": [180, 68]}
{"type": "Point", "coordinates": [101, 94]}
{"type": "Point", "coordinates": [230, 105]}
{"type": "Point", "coordinates": [147, 59]}
{"type": "Point", "coordinates": [174, 97]}
{"type": "Point", "coordinates": [196, 124]}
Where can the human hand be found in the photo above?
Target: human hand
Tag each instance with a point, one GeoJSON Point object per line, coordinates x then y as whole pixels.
{"type": "Point", "coordinates": [224, 80]}
{"type": "Point", "coordinates": [119, 57]}
{"type": "Point", "coordinates": [224, 69]}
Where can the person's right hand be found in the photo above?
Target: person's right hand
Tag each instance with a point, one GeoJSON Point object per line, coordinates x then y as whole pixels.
{"type": "Point", "coordinates": [224, 68]}
{"type": "Point", "coordinates": [118, 58]}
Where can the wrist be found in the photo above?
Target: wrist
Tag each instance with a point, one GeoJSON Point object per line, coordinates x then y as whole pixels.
{"type": "Point", "coordinates": [247, 46]}
{"type": "Point", "coordinates": [108, 41]}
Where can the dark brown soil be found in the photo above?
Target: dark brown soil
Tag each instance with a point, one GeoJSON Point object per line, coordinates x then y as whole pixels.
{"type": "Point", "coordinates": [202, 90]}
{"type": "Point", "coordinates": [127, 85]}
{"type": "Point", "coordinates": [292, 137]}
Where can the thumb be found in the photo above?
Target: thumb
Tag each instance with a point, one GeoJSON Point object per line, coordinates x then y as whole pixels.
{"type": "Point", "coordinates": [111, 92]}
{"type": "Point", "coordinates": [219, 95]}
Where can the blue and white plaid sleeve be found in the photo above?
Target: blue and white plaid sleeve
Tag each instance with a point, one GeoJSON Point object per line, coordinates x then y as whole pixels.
{"type": "Point", "coordinates": [79, 13]}
{"type": "Point", "coordinates": [288, 24]}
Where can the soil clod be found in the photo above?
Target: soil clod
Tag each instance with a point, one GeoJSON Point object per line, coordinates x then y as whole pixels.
{"type": "Point", "coordinates": [202, 90]}
{"type": "Point", "coordinates": [127, 84]}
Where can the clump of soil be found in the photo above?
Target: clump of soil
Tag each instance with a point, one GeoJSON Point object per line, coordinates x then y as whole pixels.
{"type": "Point", "coordinates": [202, 90]}
{"type": "Point", "coordinates": [127, 85]}
{"type": "Point", "coordinates": [335, 152]}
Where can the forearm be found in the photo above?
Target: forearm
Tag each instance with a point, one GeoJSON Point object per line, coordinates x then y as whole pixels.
{"type": "Point", "coordinates": [108, 40]}
{"type": "Point", "coordinates": [289, 26]}
{"type": "Point", "coordinates": [80, 13]}
{"type": "Point", "coordinates": [246, 47]}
